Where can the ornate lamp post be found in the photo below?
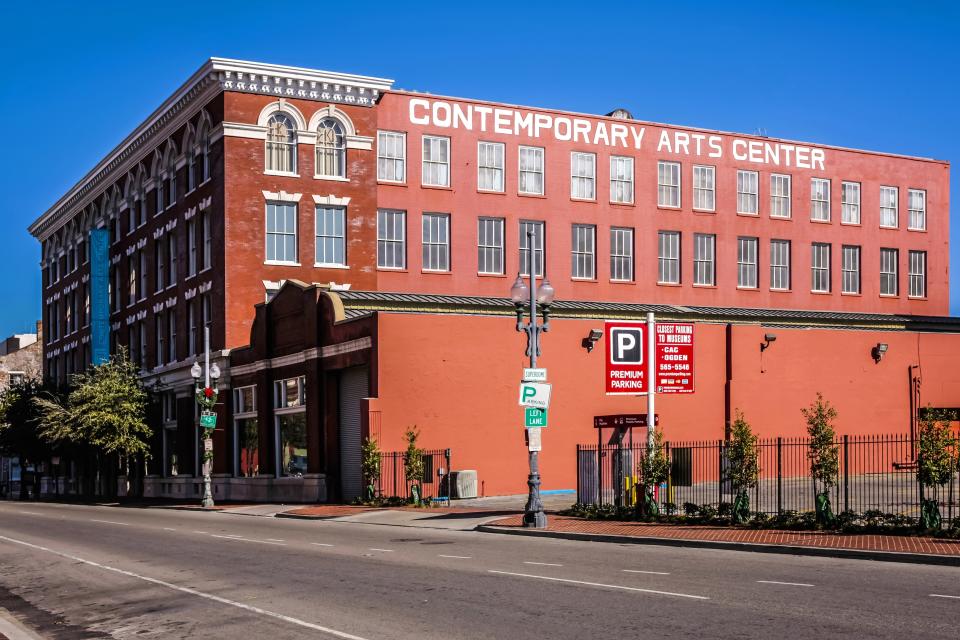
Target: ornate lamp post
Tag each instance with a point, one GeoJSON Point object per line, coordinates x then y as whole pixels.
{"type": "Point", "coordinates": [206, 397]}
{"type": "Point", "coordinates": [530, 297]}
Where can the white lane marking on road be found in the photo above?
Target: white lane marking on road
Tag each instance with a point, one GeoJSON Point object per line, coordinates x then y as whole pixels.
{"type": "Point", "coordinates": [543, 564]}
{"type": "Point", "coordinates": [169, 529]}
{"type": "Point", "coordinates": [598, 584]}
{"type": "Point", "coordinates": [30, 513]}
{"type": "Point", "coordinates": [276, 540]}
{"type": "Point", "coordinates": [202, 532]}
{"type": "Point", "coordinates": [384, 550]}
{"type": "Point", "coordinates": [321, 544]}
{"type": "Point", "coordinates": [940, 595]}
{"type": "Point", "coordinates": [654, 573]}
{"type": "Point", "coordinates": [789, 584]}
{"type": "Point", "coordinates": [456, 557]}
{"type": "Point", "coordinates": [279, 544]}
{"type": "Point", "coordinates": [193, 592]}
{"type": "Point", "coordinates": [122, 524]}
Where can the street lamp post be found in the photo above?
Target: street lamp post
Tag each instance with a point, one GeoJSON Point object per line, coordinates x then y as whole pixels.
{"type": "Point", "coordinates": [533, 515]}
{"type": "Point", "coordinates": [206, 397]}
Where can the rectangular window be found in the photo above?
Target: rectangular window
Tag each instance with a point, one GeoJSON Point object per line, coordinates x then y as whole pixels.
{"type": "Point", "coordinates": [160, 328]}
{"type": "Point", "coordinates": [490, 166]}
{"type": "Point", "coordinates": [917, 209]}
{"type": "Point", "coordinates": [171, 258]}
{"type": "Point", "coordinates": [583, 252]}
{"type": "Point", "coordinates": [142, 287]}
{"type": "Point", "coordinates": [132, 278]}
{"type": "Point", "coordinates": [281, 232]}
{"type": "Point", "coordinates": [820, 267]}
{"type": "Point", "coordinates": [192, 341]}
{"type": "Point", "coordinates": [171, 336]}
{"type": "Point", "coordinates": [621, 254]}
{"type": "Point", "coordinates": [330, 247]}
{"type": "Point", "coordinates": [748, 192]}
{"type": "Point", "coordinates": [132, 216]}
{"type": "Point", "coordinates": [747, 262]}
{"type": "Point", "coordinates": [531, 170]}
{"type": "Point", "coordinates": [289, 393]}
{"type": "Point", "coordinates": [820, 199]}
{"type": "Point", "coordinates": [391, 239]}
{"type": "Point", "coordinates": [143, 344]}
{"type": "Point", "coordinates": [205, 306]}
{"type": "Point", "coordinates": [292, 440]}
{"type": "Point", "coordinates": [490, 246]}
{"type": "Point", "coordinates": [143, 211]}
{"type": "Point", "coordinates": [704, 194]}
{"type": "Point", "coordinates": [192, 247]}
{"type": "Point", "coordinates": [191, 170]}
{"type": "Point", "coordinates": [436, 161]}
{"type": "Point", "coordinates": [704, 259]}
{"type": "Point", "coordinates": [621, 180]}
{"type": "Point", "coordinates": [850, 202]}
{"type": "Point", "coordinates": [889, 282]}
{"type": "Point", "coordinates": [436, 241]}
{"type": "Point", "coordinates": [850, 269]}
{"type": "Point", "coordinates": [247, 432]}
{"type": "Point", "coordinates": [583, 175]}
{"type": "Point", "coordinates": [538, 230]}
{"type": "Point", "coordinates": [918, 274]}
{"type": "Point", "coordinates": [668, 184]}
{"type": "Point", "coordinates": [779, 196]}
{"type": "Point", "coordinates": [391, 156]}
{"type": "Point", "coordinates": [160, 264]}
{"type": "Point", "coordinates": [888, 207]}
{"type": "Point", "coordinates": [668, 257]}
{"type": "Point", "coordinates": [208, 237]}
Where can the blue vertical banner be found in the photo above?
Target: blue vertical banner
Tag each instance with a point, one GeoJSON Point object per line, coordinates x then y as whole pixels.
{"type": "Point", "coordinates": [99, 295]}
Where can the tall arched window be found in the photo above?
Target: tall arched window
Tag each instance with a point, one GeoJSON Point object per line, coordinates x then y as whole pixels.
{"type": "Point", "coordinates": [331, 150]}
{"type": "Point", "coordinates": [281, 149]}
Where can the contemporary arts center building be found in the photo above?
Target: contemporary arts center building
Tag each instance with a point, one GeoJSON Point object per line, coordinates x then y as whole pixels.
{"type": "Point", "coordinates": [351, 249]}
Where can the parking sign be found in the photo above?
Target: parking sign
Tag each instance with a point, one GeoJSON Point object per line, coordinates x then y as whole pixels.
{"type": "Point", "coordinates": [626, 349]}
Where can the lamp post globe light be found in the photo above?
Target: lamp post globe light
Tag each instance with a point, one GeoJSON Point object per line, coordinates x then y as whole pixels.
{"type": "Point", "coordinates": [206, 397]}
{"type": "Point", "coordinates": [526, 298]}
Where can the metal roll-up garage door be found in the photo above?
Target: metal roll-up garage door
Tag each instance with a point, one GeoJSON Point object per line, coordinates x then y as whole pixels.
{"type": "Point", "coordinates": [353, 389]}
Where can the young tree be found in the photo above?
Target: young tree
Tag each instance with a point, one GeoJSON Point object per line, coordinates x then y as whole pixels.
{"type": "Point", "coordinates": [413, 464]}
{"type": "Point", "coordinates": [370, 466]}
{"type": "Point", "coordinates": [934, 463]}
{"type": "Point", "coordinates": [653, 469]}
{"type": "Point", "coordinates": [823, 454]}
{"type": "Point", "coordinates": [19, 427]}
{"type": "Point", "coordinates": [744, 470]}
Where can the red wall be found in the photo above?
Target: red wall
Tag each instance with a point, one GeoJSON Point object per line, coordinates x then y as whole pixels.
{"type": "Point", "coordinates": [464, 372]}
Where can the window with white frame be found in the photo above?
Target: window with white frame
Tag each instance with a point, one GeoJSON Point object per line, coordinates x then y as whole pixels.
{"type": "Point", "coordinates": [820, 267]}
{"type": "Point", "coordinates": [747, 262]}
{"type": "Point", "coordinates": [171, 336]}
{"type": "Point", "coordinates": [436, 161]}
{"type": "Point", "coordinates": [142, 215]}
{"type": "Point", "coordinates": [779, 196]}
{"type": "Point", "coordinates": [160, 264]}
{"type": "Point", "coordinates": [192, 328]}
{"type": "Point", "coordinates": [281, 144]}
{"type": "Point", "coordinates": [888, 207]}
{"type": "Point", "coordinates": [160, 330]}
{"type": "Point", "coordinates": [850, 202]}
{"type": "Point", "coordinates": [917, 274]}
{"type": "Point", "coordinates": [820, 199]}
{"type": "Point", "coordinates": [531, 170]}
{"type": "Point", "coordinates": [704, 189]}
{"type": "Point", "coordinates": [668, 257]}
{"type": "Point", "coordinates": [668, 184]}
{"type": "Point", "coordinates": [290, 393]}
{"type": "Point", "coordinates": [889, 282]}
{"type": "Point", "coordinates": [917, 209]}
{"type": "Point", "coordinates": [143, 344]}
{"type": "Point", "coordinates": [330, 239]}
{"type": "Point", "coordinates": [246, 431]}
{"type": "Point", "coordinates": [132, 265]}
{"type": "Point", "coordinates": [748, 192]}
{"type": "Point", "coordinates": [391, 239]}
{"type": "Point", "coordinates": [191, 170]}
{"type": "Point", "coordinates": [171, 185]}
{"type": "Point", "coordinates": [158, 193]}
{"type": "Point", "coordinates": [621, 180]}
{"type": "Point", "coordinates": [532, 249]}
{"type": "Point", "coordinates": [142, 273]}
{"type": "Point", "coordinates": [583, 175]}
{"type": "Point", "coordinates": [281, 232]}
{"type": "Point", "coordinates": [206, 308]}
{"type": "Point", "coordinates": [490, 166]}
{"type": "Point", "coordinates": [436, 241]}
{"type": "Point", "coordinates": [704, 259]}
{"type": "Point", "coordinates": [621, 254]}
{"type": "Point", "coordinates": [191, 247]}
{"type": "Point", "coordinates": [850, 269]}
{"type": "Point", "coordinates": [490, 245]}
{"type": "Point", "coordinates": [583, 251]}
{"type": "Point", "coordinates": [132, 215]}
{"type": "Point", "coordinates": [331, 149]}
{"type": "Point", "coordinates": [172, 258]}
{"type": "Point", "coordinates": [208, 238]}
{"type": "Point", "coordinates": [391, 156]}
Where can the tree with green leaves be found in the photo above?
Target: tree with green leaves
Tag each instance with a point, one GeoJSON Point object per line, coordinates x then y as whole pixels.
{"type": "Point", "coordinates": [823, 453]}
{"type": "Point", "coordinates": [653, 469]}
{"type": "Point", "coordinates": [935, 463]}
{"type": "Point", "coordinates": [413, 465]}
{"type": "Point", "coordinates": [743, 471]}
{"type": "Point", "coordinates": [370, 466]}
{"type": "Point", "coordinates": [20, 434]}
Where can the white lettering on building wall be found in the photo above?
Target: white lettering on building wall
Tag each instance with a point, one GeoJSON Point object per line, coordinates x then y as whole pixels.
{"type": "Point", "coordinates": [506, 121]}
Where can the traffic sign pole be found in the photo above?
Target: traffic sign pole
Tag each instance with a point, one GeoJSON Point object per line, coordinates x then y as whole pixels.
{"type": "Point", "coordinates": [651, 378]}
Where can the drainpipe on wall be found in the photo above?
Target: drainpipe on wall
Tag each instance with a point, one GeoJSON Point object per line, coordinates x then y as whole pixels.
{"type": "Point", "coordinates": [727, 388]}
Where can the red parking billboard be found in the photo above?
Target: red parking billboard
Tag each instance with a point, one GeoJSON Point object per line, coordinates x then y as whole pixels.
{"type": "Point", "coordinates": [626, 370]}
{"type": "Point", "coordinates": [674, 357]}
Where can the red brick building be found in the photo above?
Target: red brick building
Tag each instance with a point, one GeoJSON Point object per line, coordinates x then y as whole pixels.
{"type": "Point", "coordinates": [411, 211]}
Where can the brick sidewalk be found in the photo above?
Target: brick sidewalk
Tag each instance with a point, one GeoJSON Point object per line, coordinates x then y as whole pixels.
{"type": "Point", "coordinates": [819, 539]}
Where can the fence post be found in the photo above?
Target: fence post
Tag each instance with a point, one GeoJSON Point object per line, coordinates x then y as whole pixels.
{"type": "Point", "coordinates": [779, 475]}
{"type": "Point", "coordinates": [719, 473]}
{"type": "Point", "coordinates": [669, 477]}
{"type": "Point", "coordinates": [846, 472]}
{"type": "Point", "coordinates": [578, 473]}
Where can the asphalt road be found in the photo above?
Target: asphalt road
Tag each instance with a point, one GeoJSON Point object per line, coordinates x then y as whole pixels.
{"type": "Point", "coordinates": [71, 571]}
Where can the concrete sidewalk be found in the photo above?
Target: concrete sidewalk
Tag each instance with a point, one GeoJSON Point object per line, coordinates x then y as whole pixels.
{"type": "Point", "coordinates": [454, 519]}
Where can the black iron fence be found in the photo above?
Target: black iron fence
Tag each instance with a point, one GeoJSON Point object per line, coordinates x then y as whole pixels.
{"type": "Point", "coordinates": [393, 479]}
{"type": "Point", "coordinates": [876, 473]}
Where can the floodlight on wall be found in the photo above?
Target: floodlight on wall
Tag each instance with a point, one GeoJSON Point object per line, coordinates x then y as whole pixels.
{"type": "Point", "coordinates": [591, 340]}
{"type": "Point", "coordinates": [768, 338]}
{"type": "Point", "coordinates": [878, 351]}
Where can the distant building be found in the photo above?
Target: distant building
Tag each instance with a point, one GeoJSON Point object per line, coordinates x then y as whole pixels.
{"type": "Point", "coordinates": [21, 358]}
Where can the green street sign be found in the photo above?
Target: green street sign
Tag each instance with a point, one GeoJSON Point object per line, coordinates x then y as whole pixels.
{"type": "Point", "coordinates": [208, 420]}
{"type": "Point", "coordinates": [534, 417]}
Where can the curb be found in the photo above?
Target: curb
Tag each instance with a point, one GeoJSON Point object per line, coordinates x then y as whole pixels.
{"type": "Point", "coordinates": [822, 552]}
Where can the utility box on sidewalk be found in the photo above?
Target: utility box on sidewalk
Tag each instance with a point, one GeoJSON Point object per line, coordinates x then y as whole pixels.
{"type": "Point", "coordinates": [463, 484]}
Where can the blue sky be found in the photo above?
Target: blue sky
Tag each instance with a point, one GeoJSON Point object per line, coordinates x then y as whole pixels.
{"type": "Point", "coordinates": [78, 77]}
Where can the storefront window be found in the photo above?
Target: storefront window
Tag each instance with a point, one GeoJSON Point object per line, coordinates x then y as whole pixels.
{"type": "Point", "coordinates": [292, 434]}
